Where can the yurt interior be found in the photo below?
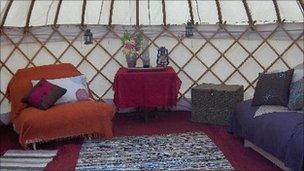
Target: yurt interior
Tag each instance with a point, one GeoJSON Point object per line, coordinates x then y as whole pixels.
{"type": "Point", "coordinates": [151, 85]}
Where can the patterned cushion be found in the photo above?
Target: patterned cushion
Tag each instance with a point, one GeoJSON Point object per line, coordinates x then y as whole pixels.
{"type": "Point", "coordinates": [76, 88]}
{"type": "Point", "coordinates": [267, 109]}
{"type": "Point", "coordinates": [298, 73]}
{"type": "Point", "coordinates": [44, 95]}
{"type": "Point", "coordinates": [273, 89]}
{"type": "Point", "coordinates": [296, 96]}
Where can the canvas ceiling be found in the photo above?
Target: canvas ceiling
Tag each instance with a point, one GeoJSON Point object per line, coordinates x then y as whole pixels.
{"type": "Point", "coordinates": [23, 13]}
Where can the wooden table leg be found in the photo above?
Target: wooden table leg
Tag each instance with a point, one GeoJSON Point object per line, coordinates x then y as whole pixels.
{"type": "Point", "coordinates": [146, 112]}
{"type": "Point", "coordinates": [156, 116]}
{"type": "Point", "coordinates": [146, 116]}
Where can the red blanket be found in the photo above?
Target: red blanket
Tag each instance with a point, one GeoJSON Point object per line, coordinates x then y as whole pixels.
{"type": "Point", "coordinates": [146, 89]}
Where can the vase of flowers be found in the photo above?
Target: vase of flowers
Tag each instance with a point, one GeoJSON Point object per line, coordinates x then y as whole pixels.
{"type": "Point", "coordinates": [131, 47]}
{"type": "Point", "coordinates": [131, 60]}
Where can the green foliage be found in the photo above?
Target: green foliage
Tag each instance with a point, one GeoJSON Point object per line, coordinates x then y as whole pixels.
{"type": "Point", "coordinates": [140, 38]}
{"type": "Point", "coordinates": [132, 44]}
{"type": "Point", "coordinates": [126, 37]}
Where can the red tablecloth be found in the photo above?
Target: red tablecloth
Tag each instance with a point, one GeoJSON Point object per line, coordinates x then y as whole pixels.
{"type": "Point", "coordinates": [146, 89]}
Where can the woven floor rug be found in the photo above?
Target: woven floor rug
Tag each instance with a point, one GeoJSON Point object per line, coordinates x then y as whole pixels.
{"type": "Point", "coordinates": [185, 151]}
{"type": "Point", "coordinates": [26, 159]}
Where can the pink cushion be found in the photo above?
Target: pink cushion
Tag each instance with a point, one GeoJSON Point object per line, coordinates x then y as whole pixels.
{"type": "Point", "coordinates": [44, 95]}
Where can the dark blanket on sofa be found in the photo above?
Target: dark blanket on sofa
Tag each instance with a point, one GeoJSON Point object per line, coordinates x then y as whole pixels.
{"type": "Point", "coordinates": [278, 133]}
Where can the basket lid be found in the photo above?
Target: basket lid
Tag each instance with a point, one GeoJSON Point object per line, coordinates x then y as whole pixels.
{"type": "Point", "coordinates": [219, 87]}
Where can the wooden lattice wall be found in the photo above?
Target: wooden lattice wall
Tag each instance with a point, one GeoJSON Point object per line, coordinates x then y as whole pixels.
{"type": "Point", "coordinates": [226, 55]}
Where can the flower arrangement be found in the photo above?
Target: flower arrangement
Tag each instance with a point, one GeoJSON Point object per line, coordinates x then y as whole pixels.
{"type": "Point", "coordinates": [132, 44]}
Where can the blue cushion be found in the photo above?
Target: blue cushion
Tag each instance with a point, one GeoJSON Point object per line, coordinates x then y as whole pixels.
{"type": "Point", "coordinates": [296, 96]}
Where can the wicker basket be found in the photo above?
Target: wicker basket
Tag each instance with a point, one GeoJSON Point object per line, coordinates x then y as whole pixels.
{"type": "Point", "coordinates": [214, 103]}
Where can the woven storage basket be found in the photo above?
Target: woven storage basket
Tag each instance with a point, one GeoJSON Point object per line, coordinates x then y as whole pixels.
{"type": "Point", "coordinates": [214, 103]}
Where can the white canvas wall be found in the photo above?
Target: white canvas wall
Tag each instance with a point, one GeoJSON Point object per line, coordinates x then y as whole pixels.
{"type": "Point", "coordinates": [100, 57]}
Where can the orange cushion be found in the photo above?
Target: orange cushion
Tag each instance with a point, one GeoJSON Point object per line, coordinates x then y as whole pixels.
{"type": "Point", "coordinates": [65, 120]}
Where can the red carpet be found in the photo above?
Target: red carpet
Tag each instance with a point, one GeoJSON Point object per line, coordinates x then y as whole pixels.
{"type": "Point", "coordinates": [241, 158]}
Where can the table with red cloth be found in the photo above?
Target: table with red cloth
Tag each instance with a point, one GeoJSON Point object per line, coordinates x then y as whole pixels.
{"type": "Point", "coordinates": [144, 89]}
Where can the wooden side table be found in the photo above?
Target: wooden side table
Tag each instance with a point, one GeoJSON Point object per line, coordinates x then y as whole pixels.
{"type": "Point", "coordinates": [214, 104]}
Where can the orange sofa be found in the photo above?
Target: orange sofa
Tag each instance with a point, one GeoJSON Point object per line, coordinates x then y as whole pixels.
{"type": "Point", "coordinates": [83, 118]}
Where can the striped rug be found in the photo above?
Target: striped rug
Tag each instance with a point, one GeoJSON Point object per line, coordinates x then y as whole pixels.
{"type": "Point", "coordinates": [26, 159]}
{"type": "Point", "coordinates": [185, 151]}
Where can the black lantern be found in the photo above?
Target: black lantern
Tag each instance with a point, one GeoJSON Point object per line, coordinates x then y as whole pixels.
{"type": "Point", "coordinates": [189, 29]}
{"type": "Point", "coordinates": [88, 37]}
{"type": "Point", "coordinates": [162, 57]}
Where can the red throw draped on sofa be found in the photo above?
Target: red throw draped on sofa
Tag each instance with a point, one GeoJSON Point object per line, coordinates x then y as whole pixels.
{"type": "Point", "coordinates": [60, 121]}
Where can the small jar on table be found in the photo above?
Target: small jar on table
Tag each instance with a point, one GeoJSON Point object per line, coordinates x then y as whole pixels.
{"type": "Point", "coordinates": [214, 104]}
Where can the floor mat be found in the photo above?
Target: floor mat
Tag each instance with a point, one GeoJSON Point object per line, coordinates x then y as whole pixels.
{"type": "Point", "coordinates": [26, 159]}
{"type": "Point", "coordinates": [184, 151]}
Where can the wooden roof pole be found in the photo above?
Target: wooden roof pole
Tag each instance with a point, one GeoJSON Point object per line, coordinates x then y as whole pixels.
{"type": "Point", "coordinates": [28, 18]}
{"type": "Point", "coordinates": [301, 2]}
{"type": "Point", "coordinates": [84, 4]}
{"type": "Point", "coordinates": [111, 12]}
{"type": "Point", "coordinates": [137, 13]}
{"type": "Point", "coordinates": [57, 13]}
{"type": "Point", "coordinates": [5, 13]}
{"type": "Point", "coordinates": [164, 12]}
{"type": "Point", "coordinates": [277, 10]}
{"type": "Point", "coordinates": [219, 12]}
{"type": "Point", "coordinates": [190, 11]}
{"type": "Point", "coordinates": [250, 21]}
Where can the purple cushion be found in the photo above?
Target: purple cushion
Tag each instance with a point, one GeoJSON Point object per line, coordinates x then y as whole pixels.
{"type": "Point", "coordinates": [44, 95]}
{"type": "Point", "coordinates": [273, 89]}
